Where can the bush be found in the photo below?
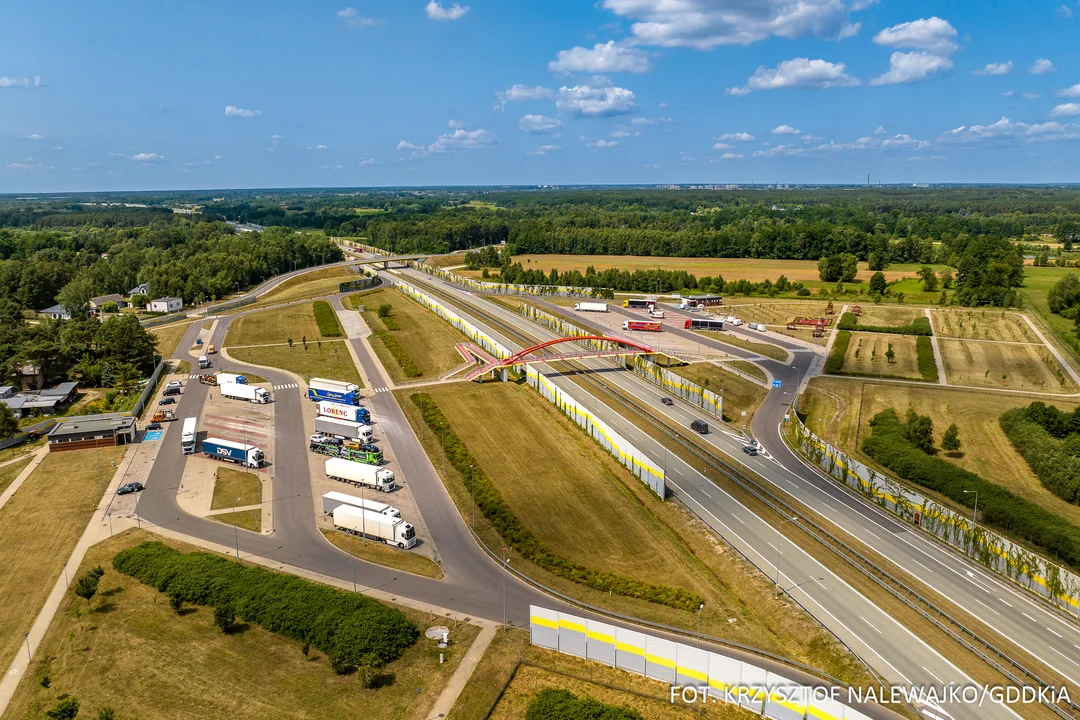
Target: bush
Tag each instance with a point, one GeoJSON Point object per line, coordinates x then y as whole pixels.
{"type": "Point", "coordinates": [918, 326]}
{"type": "Point", "coordinates": [224, 617]}
{"type": "Point", "coordinates": [552, 704]}
{"type": "Point", "coordinates": [384, 310]}
{"type": "Point", "coordinates": [66, 709]}
{"type": "Point", "coordinates": [1056, 468]}
{"type": "Point", "coordinates": [835, 362]}
{"type": "Point", "coordinates": [342, 624]}
{"type": "Point", "coordinates": [327, 320]}
{"type": "Point", "coordinates": [924, 352]}
{"type": "Point", "coordinates": [491, 504]}
{"type": "Point", "coordinates": [1000, 509]}
{"type": "Point", "coordinates": [400, 356]}
{"type": "Point", "coordinates": [803, 292]}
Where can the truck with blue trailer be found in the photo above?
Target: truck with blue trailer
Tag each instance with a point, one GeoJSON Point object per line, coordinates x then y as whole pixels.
{"type": "Point", "coordinates": [234, 452]}
{"type": "Point", "coordinates": [352, 413]}
{"type": "Point", "coordinates": [334, 391]}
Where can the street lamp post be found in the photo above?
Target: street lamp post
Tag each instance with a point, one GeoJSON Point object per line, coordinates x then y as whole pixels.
{"type": "Point", "coordinates": [66, 582]}
{"type": "Point", "coordinates": [779, 539]}
{"type": "Point", "coordinates": [472, 490]}
{"type": "Point", "coordinates": [506, 569]}
{"type": "Point", "coordinates": [236, 535]}
{"type": "Point", "coordinates": [700, 608]}
{"type": "Point", "coordinates": [975, 513]}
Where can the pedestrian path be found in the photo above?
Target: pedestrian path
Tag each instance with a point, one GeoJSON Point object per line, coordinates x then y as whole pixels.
{"type": "Point", "coordinates": [287, 386]}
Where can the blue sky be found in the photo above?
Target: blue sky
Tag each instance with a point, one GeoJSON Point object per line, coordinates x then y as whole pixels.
{"type": "Point", "coordinates": [125, 95]}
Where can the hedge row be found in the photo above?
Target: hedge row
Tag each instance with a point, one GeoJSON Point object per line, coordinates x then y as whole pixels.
{"type": "Point", "coordinates": [1057, 422]}
{"type": "Point", "coordinates": [390, 322]}
{"type": "Point", "coordinates": [552, 704]}
{"type": "Point", "coordinates": [924, 351]}
{"type": "Point", "coordinates": [400, 356]}
{"type": "Point", "coordinates": [492, 505]}
{"type": "Point", "coordinates": [835, 362]}
{"type": "Point", "coordinates": [327, 319]}
{"type": "Point", "coordinates": [346, 626]}
{"type": "Point", "coordinates": [1000, 509]}
{"type": "Point", "coordinates": [1056, 469]}
{"type": "Point", "coordinates": [918, 326]}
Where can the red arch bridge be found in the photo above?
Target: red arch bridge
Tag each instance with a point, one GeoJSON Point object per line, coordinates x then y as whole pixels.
{"type": "Point", "coordinates": [627, 347]}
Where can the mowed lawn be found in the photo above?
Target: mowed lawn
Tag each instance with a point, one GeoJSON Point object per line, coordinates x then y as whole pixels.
{"type": "Point", "coordinates": [994, 324]}
{"type": "Point", "coordinates": [740, 395]}
{"type": "Point", "coordinates": [1004, 365]}
{"type": "Point", "coordinates": [887, 315]}
{"type": "Point", "coordinates": [133, 654]}
{"type": "Point", "coordinates": [866, 355]}
{"type": "Point", "coordinates": [169, 337]}
{"type": "Point", "coordinates": [328, 359]}
{"type": "Point", "coordinates": [8, 473]}
{"type": "Point", "coordinates": [250, 520]}
{"type": "Point", "coordinates": [237, 486]}
{"type": "Point", "coordinates": [39, 527]}
{"type": "Point", "coordinates": [313, 284]}
{"type": "Point", "coordinates": [761, 348]}
{"type": "Point", "coordinates": [268, 327]}
{"type": "Point", "coordinates": [427, 339]}
{"type": "Point", "coordinates": [834, 406]}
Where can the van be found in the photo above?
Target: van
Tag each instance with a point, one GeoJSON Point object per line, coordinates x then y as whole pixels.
{"type": "Point", "coordinates": [171, 391]}
{"type": "Point", "coordinates": [210, 350]}
{"type": "Point", "coordinates": [700, 426]}
{"type": "Point", "coordinates": [204, 363]}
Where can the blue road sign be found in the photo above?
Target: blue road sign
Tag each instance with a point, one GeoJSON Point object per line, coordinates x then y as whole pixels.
{"type": "Point", "coordinates": [152, 435]}
{"type": "Point", "coordinates": [776, 383]}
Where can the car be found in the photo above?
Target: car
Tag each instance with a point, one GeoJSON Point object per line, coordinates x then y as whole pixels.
{"type": "Point", "coordinates": [175, 384]}
{"type": "Point", "coordinates": [154, 426]}
{"type": "Point", "coordinates": [131, 487]}
{"type": "Point", "coordinates": [320, 439]}
{"type": "Point", "coordinates": [666, 401]}
{"type": "Point", "coordinates": [167, 401]}
{"type": "Point", "coordinates": [700, 426]}
{"type": "Point", "coordinates": [198, 341]}
{"type": "Point", "coordinates": [171, 391]}
{"type": "Point", "coordinates": [750, 449]}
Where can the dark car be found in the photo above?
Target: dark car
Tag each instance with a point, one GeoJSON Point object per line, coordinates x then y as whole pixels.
{"type": "Point", "coordinates": [154, 426]}
{"type": "Point", "coordinates": [666, 401]}
{"type": "Point", "coordinates": [750, 449]}
{"type": "Point", "coordinates": [132, 487]}
{"type": "Point", "coordinates": [171, 391]}
{"type": "Point", "coordinates": [700, 426]}
{"type": "Point", "coordinates": [167, 401]}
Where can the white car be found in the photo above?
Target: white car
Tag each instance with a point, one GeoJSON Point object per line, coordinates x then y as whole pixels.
{"type": "Point", "coordinates": [175, 384]}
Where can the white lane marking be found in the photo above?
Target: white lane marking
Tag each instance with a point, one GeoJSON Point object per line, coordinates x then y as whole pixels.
{"type": "Point", "coordinates": [986, 606]}
{"type": "Point", "coordinates": [738, 518]}
{"type": "Point", "coordinates": [921, 565]}
{"type": "Point", "coordinates": [870, 533]}
{"type": "Point", "coordinates": [1055, 632]}
{"type": "Point", "coordinates": [932, 675]}
{"type": "Point", "coordinates": [1005, 601]}
{"type": "Point", "coordinates": [870, 624]}
{"type": "Point", "coordinates": [1028, 617]}
{"type": "Point", "coordinates": [1065, 656]}
{"type": "Point", "coordinates": [706, 494]}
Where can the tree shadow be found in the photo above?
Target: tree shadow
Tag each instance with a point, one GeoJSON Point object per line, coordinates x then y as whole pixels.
{"type": "Point", "coordinates": [106, 607]}
{"type": "Point", "coordinates": [111, 591]}
{"type": "Point", "coordinates": [383, 679]}
{"type": "Point", "coordinates": [184, 612]}
{"type": "Point", "coordinates": [238, 628]}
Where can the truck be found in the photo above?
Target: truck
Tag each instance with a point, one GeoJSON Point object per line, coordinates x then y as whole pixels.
{"type": "Point", "coordinates": [251, 393]}
{"type": "Point", "coordinates": [343, 470]}
{"type": "Point", "coordinates": [643, 326]}
{"type": "Point", "coordinates": [333, 447]}
{"type": "Point", "coordinates": [703, 324]}
{"type": "Point", "coordinates": [204, 362]}
{"type": "Point", "coordinates": [390, 530]}
{"type": "Point", "coordinates": [732, 320]}
{"type": "Point", "coordinates": [334, 499]}
{"type": "Point", "coordinates": [334, 385]}
{"type": "Point", "coordinates": [590, 307]}
{"type": "Point", "coordinates": [189, 433]}
{"type": "Point", "coordinates": [234, 452]}
{"type": "Point", "coordinates": [224, 377]}
{"type": "Point", "coordinates": [163, 416]}
{"type": "Point", "coordinates": [636, 304]}
{"type": "Point", "coordinates": [656, 314]}
{"type": "Point", "coordinates": [351, 397]}
{"type": "Point", "coordinates": [352, 413]}
{"type": "Point", "coordinates": [343, 428]}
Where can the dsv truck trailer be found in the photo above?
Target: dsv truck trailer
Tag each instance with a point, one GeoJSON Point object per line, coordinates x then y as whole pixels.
{"type": "Point", "coordinates": [234, 452]}
{"type": "Point", "coordinates": [334, 499]}
{"type": "Point", "coordinates": [334, 391]}
{"type": "Point", "coordinates": [343, 428]}
{"type": "Point", "coordinates": [359, 474]}
{"type": "Point", "coordinates": [356, 521]}
{"type": "Point", "coordinates": [251, 393]}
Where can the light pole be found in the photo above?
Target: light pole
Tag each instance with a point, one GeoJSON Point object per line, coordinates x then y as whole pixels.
{"type": "Point", "coordinates": [699, 609]}
{"type": "Point", "coordinates": [236, 535]}
{"type": "Point", "coordinates": [975, 513]}
{"type": "Point", "coordinates": [779, 539]}
{"type": "Point", "coordinates": [26, 636]}
{"type": "Point", "coordinates": [66, 582]}
{"type": "Point", "coordinates": [506, 569]}
{"type": "Point", "coordinates": [97, 456]}
{"type": "Point", "coordinates": [442, 443]}
{"type": "Point", "coordinates": [472, 490]}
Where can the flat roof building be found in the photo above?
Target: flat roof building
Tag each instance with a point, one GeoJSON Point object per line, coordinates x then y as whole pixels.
{"type": "Point", "coordinates": [90, 431]}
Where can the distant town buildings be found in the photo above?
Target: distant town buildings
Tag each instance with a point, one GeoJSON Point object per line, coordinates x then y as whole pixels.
{"type": "Point", "coordinates": [25, 403]}
{"type": "Point", "coordinates": [97, 302]}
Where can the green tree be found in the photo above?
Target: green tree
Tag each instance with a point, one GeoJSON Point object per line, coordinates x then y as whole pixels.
{"type": "Point", "coordinates": [106, 714]}
{"type": "Point", "coordinates": [289, 341]}
{"type": "Point", "coordinates": [140, 301]}
{"type": "Point", "coordinates": [878, 284]}
{"type": "Point", "coordinates": [367, 669]}
{"type": "Point", "coordinates": [9, 424]}
{"type": "Point", "coordinates": [75, 296]}
{"type": "Point", "coordinates": [1067, 233]}
{"type": "Point", "coordinates": [950, 441]}
{"type": "Point", "coordinates": [110, 307]}
{"type": "Point", "coordinates": [125, 379]}
{"type": "Point", "coordinates": [877, 261]}
{"type": "Point", "coordinates": [889, 354]}
{"type": "Point", "coordinates": [919, 430]}
{"type": "Point", "coordinates": [66, 709]}
{"type": "Point", "coordinates": [224, 617]}
{"type": "Point", "coordinates": [384, 310]}
{"type": "Point", "coordinates": [123, 339]}
{"type": "Point", "coordinates": [176, 602]}
{"type": "Point", "coordinates": [86, 586]}
{"type": "Point", "coordinates": [929, 278]}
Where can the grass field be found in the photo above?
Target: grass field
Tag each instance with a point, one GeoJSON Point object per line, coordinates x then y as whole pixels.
{"type": "Point", "coordinates": [1037, 284]}
{"type": "Point", "coordinates": [833, 407]}
{"type": "Point", "coordinates": [169, 337]}
{"type": "Point", "coordinates": [750, 368]}
{"type": "Point", "coordinates": [1001, 365]}
{"type": "Point", "coordinates": [243, 519]}
{"type": "Point", "coordinates": [231, 484]}
{"type": "Point", "coordinates": [740, 395]}
{"type": "Point", "coordinates": [8, 473]}
{"type": "Point", "coordinates": [888, 315]}
{"type": "Point", "coordinates": [866, 355]}
{"type": "Point", "coordinates": [527, 448]}
{"type": "Point", "coordinates": [381, 554]}
{"type": "Point", "coordinates": [132, 653]}
{"type": "Point", "coordinates": [763, 349]}
{"type": "Point", "coordinates": [490, 676]}
{"type": "Point", "coordinates": [330, 360]}
{"type": "Point", "coordinates": [312, 284]}
{"type": "Point", "coordinates": [39, 527]}
{"type": "Point", "coordinates": [982, 325]}
{"type": "Point", "coordinates": [425, 338]}
{"type": "Point", "coordinates": [779, 313]}
{"type": "Point", "coordinates": [274, 326]}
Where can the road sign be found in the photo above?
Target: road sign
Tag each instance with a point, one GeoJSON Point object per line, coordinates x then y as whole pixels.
{"type": "Point", "coordinates": [776, 383]}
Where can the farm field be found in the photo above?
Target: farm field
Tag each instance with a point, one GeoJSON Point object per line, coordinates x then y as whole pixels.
{"type": "Point", "coordinates": [312, 284]}
{"type": "Point", "coordinates": [526, 447]}
{"type": "Point", "coordinates": [982, 324]}
{"type": "Point", "coordinates": [425, 338]}
{"type": "Point", "coordinates": [779, 313]}
{"type": "Point", "coordinates": [1003, 365]}
{"type": "Point", "coordinates": [866, 355]}
{"type": "Point", "coordinates": [132, 653]}
{"type": "Point", "coordinates": [833, 405]}
{"type": "Point", "coordinates": [740, 395]}
{"type": "Point", "coordinates": [328, 359]}
{"type": "Point", "coordinates": [267, 327]}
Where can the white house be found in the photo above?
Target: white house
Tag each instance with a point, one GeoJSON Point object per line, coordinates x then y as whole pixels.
{"type": "Point", "coordinates": [166, 305]}
{"type": "Point", "coordinates": [56, 312]}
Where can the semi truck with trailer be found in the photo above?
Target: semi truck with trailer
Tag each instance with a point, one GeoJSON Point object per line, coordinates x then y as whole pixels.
{"type": "Point", "coordinates": [703, 324]}
{"type": "Point", "coordinates": [642, 326]}
{"type": "Point", "coordinates": [343, 470]}
{"type": "Point", "coordinates": [356, 521]}
{"type": "Point", "coordinates": [366, 453]}
{"type": "Point", "coordinates": [334, 391]}
{"type": "Point", "coordinates": [188, 436]}
{"type": "Point", "coordinates": [343, 428]}
{"type": "Point", "coordinates": [352, 413]}
{"type": "Point", "coordinates": [590, 307]}
{"type": "Point", "coordinates": [334, 499]}
{"type": "Point", "coordinates": [637, 304]}
{"type": "Point", "coordinates": [234, 452]}
{"type": "Point", "coordinates": [224, 377]}
{"type": "Point", "coordinates": [251, 393]}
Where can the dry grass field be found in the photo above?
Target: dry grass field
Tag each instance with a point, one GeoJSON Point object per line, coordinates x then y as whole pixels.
{"type": "Point", "coordinates": [268, 327]}
{"type": "Point", "coordinates": [250, 520]}
{"type": "Point", "coordinates": [866, 355]}
{"type": "Point", "coordinates": [886, 315]}
{"type": "Point", "coordinates": [982, 325]}
{"type": "Point", "coordinates": [169, 337]}
{"type": "Point", "coordinates": [330, 359]}
{"type": "Point", "coordinates": [740, 395]}
{"type": "Point", "coordinates": [381, 554]}
{"type": "Point", "coordinates": [8, 473]}
{"type": "Point", "coordinates": [313, 284]}
{"type": "Point", "coordinates": [425, 338]}
{"type": "Point", "coordinates": [231, 484]}
{"type": "Point", "coordinates": [761, 348]}
{"type": "Point", "coordinates": [779, 313]}
{"type": "Point", "coordinates": [1003, 365]}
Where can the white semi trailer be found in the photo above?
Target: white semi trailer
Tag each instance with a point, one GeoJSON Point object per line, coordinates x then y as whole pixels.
{"type": "Point", "coordinates": [343, 428]}
{"type": "Point", "coordinates": [332, 500]}
{"type": "Point", "coordinates": [251, 393]}
{"type": "Point", "coordinates": [590, 307]}
{"type": "Point", "coordinates": [393, 531]}
{"type": "Point", "coordinates": [359, 474]}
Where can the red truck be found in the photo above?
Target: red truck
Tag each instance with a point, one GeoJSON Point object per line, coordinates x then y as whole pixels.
{"type": "Point", "coordinates": [640, 325]}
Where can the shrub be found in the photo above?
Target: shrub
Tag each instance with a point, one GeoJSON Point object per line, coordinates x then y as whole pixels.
{"type": "Point", "coordinates": [492, 505]}
{"type": "Point", "coordinates": [924, 352]}
{"type": "Point", "coordinates": [1056, 468]}
{"type": "Point", "coordinates": [224, 617]}
{"type": "Point", "coordinates": [66, 709]}
{"type": "Point", "coordinates": [400, 356]}
{"type": "Point", "coordinates": [367, 670]}
{"type": "Point", "coordinates": [340, 623]}
{"type": "Point", "coordinates": [552, 704]}
{"type": "Point", "coordinates": [835, 362]}
{"type": "Point", "coordinates": [918, 326]}
{"type": "Point", "coordinates": [803, 292]}
{"type": "Point", "coordinates": [327, 320]}
{"type": "Point", "coordinates": [384, 310]}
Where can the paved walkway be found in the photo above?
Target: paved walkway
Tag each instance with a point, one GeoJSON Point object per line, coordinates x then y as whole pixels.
{"type": "Point", "coordinates": [17, 483]}
{"type": "Point", "coordinates": [445, 702]}
{"type": "Point", "coordinates": [937, 350]}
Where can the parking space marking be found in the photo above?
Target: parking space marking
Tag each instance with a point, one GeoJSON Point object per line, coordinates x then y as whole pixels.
{"type": "Point", "coordinates": [152, 435]}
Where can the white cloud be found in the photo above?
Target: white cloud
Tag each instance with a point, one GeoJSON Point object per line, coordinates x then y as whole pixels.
{"type": "Point", "coordinates": [721, 146]}
{"type": "Point", "coordinates": [20, 82]}
{"type": "Point", "coordinates": [403, 145]}
{"type": "Point", "coordinates": [912, 67]}
{"type": "Point", "coordinates": [1065, 11]}
{"type": "Point", "coordinates": [931, 34]}
{"type": "Point", "coordinates": [147, 157]}
{"type": "Point", "coordinates": [779, 150]}
{"type": "Point", "coordinates": [352, 18]}
{"type": "Point", "coordinates": [594, 101]}
{"type": "Point", "coordinates": [521, 93]}
{"type": "Point", "coordinates": [880, 130]}
{"type": "Point", "coordinates": [238, 112]}
{"type": "Point", "coordinates": [662, 106]}
{"type": "Point", "coordinates": [460, 139]}
{"type": "Point", "coordinates": [651, 121]}
{"type": "Point", "coordinates": [602, 58]}
{"type": "Point", "coordinates": [1073, 91]}
{"type": "Point", "coordinates": [604, 144]}
{"type": "Point", "coordinates": [740, 136]}
{"type": "Point", "coordinates": [624, 131]}
{"type": "Point", "coordinates": [706, 24]}
{"type": "Point", "coordinates": [538, 123]}
{"type": "Point", "coordinates": [1005, 129]}
{"type": "Point", "coordinates": [1065, 110]}
{"type": "Point", "coordinates": [732, 156]}
{"type": "Point", "coordinates": [544, 150]}
{"type": "Point", "coordinates": [23, 166]}
{"type": "Point", "coordinates": [34, 136]}
{"type": "Point", "coordinates": [435, 11]}
{"type": "Point", "coordinates": [849, 30]}
{"type": "Point", "coordinates": [797, 73]}
{"type": "Point", "coordinates": [196, 163]}
{"type": "Point", "coordinates": [367, 161]}
{"type": "Point", "coordinates": [277, 137]}
{"type": "Point", "coordinates": [1041, 67]}
{"type": "Point", "coordinates": [321, 147]}
{"type": "Point", "coordinates": [1001, 68]}
{"type": "Point", "coordinates": [1029, 95]}
{"type": "Point", "coordinates": [785, 130]}
{"type": "Point", "coordinates": [455, 123]}
{"type": "Point", "coordinates": [1007, 94]}
{"type": "Point", "coordinates": [652, 166]}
